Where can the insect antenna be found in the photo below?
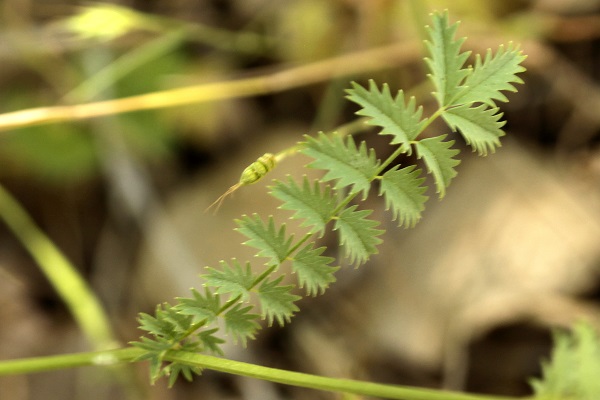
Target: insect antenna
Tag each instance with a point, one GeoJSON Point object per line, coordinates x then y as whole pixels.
{"type": "Point", "coordinates": [217, 203]}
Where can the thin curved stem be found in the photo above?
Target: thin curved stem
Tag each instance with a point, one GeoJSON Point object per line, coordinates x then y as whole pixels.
{"type": "Point", "coordinates": [358, 62]}
{"type": "Point", "coordinates": [64, 277]}
{"type": "Point", "coordinates": [125, 65]}
{"type": "Point", "coordinates": [65, 361]}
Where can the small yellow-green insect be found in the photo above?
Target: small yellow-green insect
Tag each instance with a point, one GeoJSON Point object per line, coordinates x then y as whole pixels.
{"type": "Point", "coordinates": [253, 173]}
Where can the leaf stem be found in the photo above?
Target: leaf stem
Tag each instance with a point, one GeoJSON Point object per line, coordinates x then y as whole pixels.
{"type": "Point", "coordinates": [391, 158]}
{"type": "Point", "coordinates": [264, 275]}
{"type": "Point", "coordinates": [190, 331]}
{"type": "Point", "coordinates": [299, 243]}
{"type": "Point", "coordinates": [230, 302]}
{"type": "Point", "coordinates": [343, 204]}
{"type": "Point", "coordinates": [433, 117]}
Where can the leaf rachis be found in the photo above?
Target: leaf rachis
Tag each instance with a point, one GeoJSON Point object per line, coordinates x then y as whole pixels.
{"type": "Point", "coordinates": [467, 100]}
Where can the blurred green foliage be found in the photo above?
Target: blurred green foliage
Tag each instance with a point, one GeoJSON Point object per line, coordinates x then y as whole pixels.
{"type": "Point", "coordinates": [573, 371]}
{"type": "Point", "coordinates": [142, 52]}
{"type": "Point", "coordinates": [68, 151]}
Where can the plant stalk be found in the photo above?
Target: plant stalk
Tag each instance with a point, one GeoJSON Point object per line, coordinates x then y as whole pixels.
{"type": "Point", "coordinates": [64, 277]}
{"type": "Point", "coordinates": [354, 63]}
{"type": "Point", "coordinates": [112, 357]}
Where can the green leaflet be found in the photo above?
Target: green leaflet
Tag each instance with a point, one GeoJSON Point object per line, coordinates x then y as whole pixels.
{"type": "Point", "coordinates": [160, 325]}
{"type": "Point", "coordinates": [439, 158]}
{"type": "Point", "coordinates": [155, 349]}
{"type": "Point", "coordinates": [343, 161]}
{"type": "Point", "coordinates": [313, 269]}
{"type": "Point", "coordinates": [401, 120]}
{"type": "Point", "coordinates": [168, 327]}
{"type": "Point", "coordinates": [575, 366]}
{"type": "Point", "coordinates": [271, 244]}
{"type": "Point", "coordinates": [233, 279]}
{"type": "Point", "coordinates": [358, 234]}
{"type": "Point", "coordinates": [175, 369]}
{"type": "Point", "coordinates": [201, 307]}
{"type": "Point", "coordinates": [180, 321]}
{"type": "Point", "coordinates": [403, 192]}
{"type": "Point", "coordinates": [492, 75]}
{"type": "Point", "coordinates": [277, 301]}
{"type": "Point", "coordinates": [312, 204]}
{"type": "Point", "coordinates": [240, 323]}
{"type": "Point", "coordinates": [158, 344]}
{"type": "Point", "coordinates": [211, 342]}
{"type": "Point", "coordinates": [446, 61]}
{"type": "Point", "coordinates": [480, 126]}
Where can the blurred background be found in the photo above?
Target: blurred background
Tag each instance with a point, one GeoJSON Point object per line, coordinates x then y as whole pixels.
{"type": "Point", "coordinates": [466, 301]}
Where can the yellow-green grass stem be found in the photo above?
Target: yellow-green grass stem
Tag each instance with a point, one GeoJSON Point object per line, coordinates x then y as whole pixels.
{"type": "Point", "coordinates": [350, 64]}
{"type": "Point", "coordinates": [64, 277]}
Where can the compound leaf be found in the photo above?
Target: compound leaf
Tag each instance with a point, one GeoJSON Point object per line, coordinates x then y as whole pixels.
{"type": "Point", "coordinates": [277, 301]}
{"type": "Point", "coordinates": [439, 158]}
{"type": "Point", "coordinates": [271, 244]}
{"type": "Point", "coordinates": [231, 279]}
{"type": "Point", "coordinates": [446, 61]}
{"type": "Point", "coordinates": [358, 234]}
{"type": "Point", "coordinates": [312, 204]}
{"type": "Point", "coordinates": [403, 190]}
{"type": "Point", "coordinates": [313, 269]}
{"type": "Point", "coordinates": [480, 126]}
{"type": "Point", "coordinates": [344, 162]}
{"type": "Point", "coordinates": [467, 98]}
{"type": "Point", "coordinates": [401, 120]}
{"type": "Point", "coordinates": [492, 75]}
